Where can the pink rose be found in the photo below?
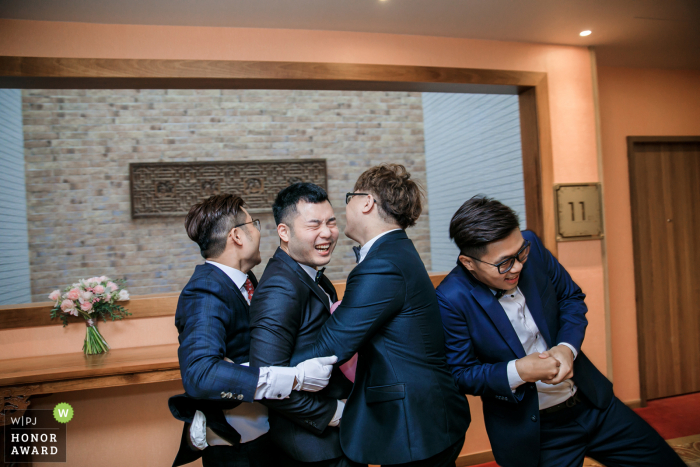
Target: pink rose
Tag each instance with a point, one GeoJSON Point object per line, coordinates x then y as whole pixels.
{"type": "Point", "coordinates": [66, 305]}
{"type": "Point", "coordinates": [86, 306]}
{"type": "Point", "coordinates": [108, 297]}
{"type": "Point", "coordinates": [103, 278]}
{"type": "Point", "coordinates": [92, 280]}
{"type": "Point", "coordinates": [99, 289]}
{"type": "Point", "coordinates": [55, 295]}
{"type": "Point", "coordinates": [112, 286]}
{"type": "Point", "coordinates": [73, 294]}
{"type": "Point", "coordinates": [86, 296]}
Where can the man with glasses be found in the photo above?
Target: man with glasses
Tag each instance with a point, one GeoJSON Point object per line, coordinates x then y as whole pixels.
{"type": "Point", "coordinates": [405, 409]}
{"type": "Point", "coordinates": [223, 424]}
{"type": "Point", "coordinates": [514, 323]}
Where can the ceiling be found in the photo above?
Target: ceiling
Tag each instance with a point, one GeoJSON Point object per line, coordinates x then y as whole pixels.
{"type": "Point", "coordinates": [634, 33]}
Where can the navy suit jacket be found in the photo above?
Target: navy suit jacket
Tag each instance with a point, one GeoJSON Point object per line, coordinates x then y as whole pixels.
{"type": "Point", "coordinates": [286, 314]}
{"type": "Point", "coordinates": [480, 341]}
{"type": "Point", "coordinates": [212, 323]}
{"type": "Point", "coordinates": [404, 405]}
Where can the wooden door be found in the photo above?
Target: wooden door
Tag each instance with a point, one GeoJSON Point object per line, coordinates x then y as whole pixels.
{"type": "Point", "coordinates": [665, 195]}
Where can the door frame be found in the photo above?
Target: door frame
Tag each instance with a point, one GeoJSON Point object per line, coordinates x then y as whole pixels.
{"type": "Point", "coordinates": [637, 248]}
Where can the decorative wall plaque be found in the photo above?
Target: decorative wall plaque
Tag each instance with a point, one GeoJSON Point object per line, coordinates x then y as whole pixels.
{"type": "Point", "coordinates": [579, 214]}
{"type": "Point", "coordinates": [160, 189]}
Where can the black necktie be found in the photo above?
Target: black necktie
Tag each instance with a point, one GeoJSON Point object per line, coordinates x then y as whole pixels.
{"type": "Point", "coordinates": [356, 250]}
{"type": "Point", "coordinates": [319, 274]}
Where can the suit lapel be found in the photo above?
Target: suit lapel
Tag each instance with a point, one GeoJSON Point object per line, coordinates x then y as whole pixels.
{"type": "Point", "coordinates": [533, 300]}
{"type": "Point", "coordinates": [499, 318]}
{"type": "Point", "coordinates": [328, 287]}
{"type": "Point", "coordinates": [305, 278]}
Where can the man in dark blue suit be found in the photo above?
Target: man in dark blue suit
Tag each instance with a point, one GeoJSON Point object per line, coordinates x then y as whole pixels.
{"type": "Point", "coordinates": [404, 408]}
{"type": "Point", "coordinates": [290, 305]}
{"type": "Point", "coordinates": [514, 323]}
{"type": "Point", "coordinates": [223, 424]}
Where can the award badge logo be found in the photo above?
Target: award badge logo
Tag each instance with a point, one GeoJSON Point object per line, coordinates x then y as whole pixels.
{"type": "Point", "coordinates": [37, 435]}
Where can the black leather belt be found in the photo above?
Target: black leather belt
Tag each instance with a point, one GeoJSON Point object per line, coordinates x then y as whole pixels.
{"type": "Point", "coordinates": [567, 404]}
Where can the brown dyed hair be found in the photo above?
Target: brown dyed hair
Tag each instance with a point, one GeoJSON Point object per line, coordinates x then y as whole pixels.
{"type": "Point", "coordinates": [398, 197]}
{"type": "Point", "coordinates": [209, 222]}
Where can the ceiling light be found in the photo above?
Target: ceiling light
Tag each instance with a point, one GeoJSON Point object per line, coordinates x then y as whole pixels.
{"type": "Point", "coordinates": [585, 33]}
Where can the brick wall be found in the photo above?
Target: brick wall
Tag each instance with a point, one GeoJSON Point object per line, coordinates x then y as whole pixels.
{"type": "Point", "coordinates": [78, 144]}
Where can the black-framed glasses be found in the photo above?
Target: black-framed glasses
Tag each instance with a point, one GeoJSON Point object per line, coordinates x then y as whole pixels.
{"type": "Point", "coordinates": [507, 264]}
{"type": "Point", "coordinates": [255, 222]}
{"type": "Point", "coordinates": [348, 196]}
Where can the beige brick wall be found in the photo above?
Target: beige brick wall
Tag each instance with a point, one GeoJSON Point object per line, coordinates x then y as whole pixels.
{"type": "Point", "coordinates": [79, 143]}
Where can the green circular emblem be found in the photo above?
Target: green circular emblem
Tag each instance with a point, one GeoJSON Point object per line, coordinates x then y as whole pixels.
{"type": "Point", "coordinates": [63, 412]}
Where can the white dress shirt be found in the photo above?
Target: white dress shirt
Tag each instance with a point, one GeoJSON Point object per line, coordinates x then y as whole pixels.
{"type": "Point", "coordinates": [520, 318]}
{"type": "Point", "coordinates": [365, 248]}
{"type": "Point", "coordinates": [311, 271]}
{"type": "Point", "coordinates": [249, 420]}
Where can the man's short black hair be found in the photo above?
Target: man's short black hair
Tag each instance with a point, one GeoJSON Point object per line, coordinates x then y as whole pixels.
{"type": "Point", "coordinates": [480, 221]}
{"type": "Point", "coordinates": [285, 204]}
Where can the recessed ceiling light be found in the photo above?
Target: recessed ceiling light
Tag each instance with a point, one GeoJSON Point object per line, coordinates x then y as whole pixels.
{"type": "Point", "coordinates": [585, 33]}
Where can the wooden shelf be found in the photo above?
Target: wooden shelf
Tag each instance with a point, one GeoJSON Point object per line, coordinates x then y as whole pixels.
{"type": "Point", "coordinates": [75, 371]}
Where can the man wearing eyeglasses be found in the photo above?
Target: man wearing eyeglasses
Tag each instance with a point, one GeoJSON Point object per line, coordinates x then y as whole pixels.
{"type": "Point", "coordinates": [514, 323]}
{"type": "Point", "coordinates": [405, 408]}
{"type": "Point", "coordinates": [224, 425]}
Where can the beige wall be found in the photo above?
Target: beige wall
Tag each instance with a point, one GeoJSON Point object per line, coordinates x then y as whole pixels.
{"type": "Point", "coordinates": [573, 146]}
{"type": "Point", "coordinates": [79, 144]}
{"type": "Point", "coordinates": [635, 102]}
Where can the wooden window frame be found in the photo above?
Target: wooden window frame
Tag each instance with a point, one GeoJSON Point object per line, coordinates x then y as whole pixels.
{"type": "Point", "coordinates": [531, 88]}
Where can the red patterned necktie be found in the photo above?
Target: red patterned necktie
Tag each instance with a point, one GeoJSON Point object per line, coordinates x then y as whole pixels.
{"type": "Point", "coordinates": [249, 288]}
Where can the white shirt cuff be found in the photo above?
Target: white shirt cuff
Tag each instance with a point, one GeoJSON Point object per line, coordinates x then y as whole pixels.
{"type": "Point", "coordinates": [335, 421]}
{"type": "Point", "coordinates": [198, 430]}
{"type": "Point", "coordinates": [571, 347]}
{"type": "Point", "coordinates": [275, 382]}
{"type": "Point", "coordinates": [514, 379]}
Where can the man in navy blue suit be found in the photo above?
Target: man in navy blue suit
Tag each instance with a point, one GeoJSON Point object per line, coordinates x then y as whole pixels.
{"type": "Point", "coordinates": [514, 323]}
{"type": "Point", "coordinates": [223, 424]}
{"type": "Point", "coordinates": [404, 409]}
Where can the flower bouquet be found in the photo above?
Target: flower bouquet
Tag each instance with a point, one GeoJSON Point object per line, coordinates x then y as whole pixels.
{"type": "Point", "coordinates": [91, 298]}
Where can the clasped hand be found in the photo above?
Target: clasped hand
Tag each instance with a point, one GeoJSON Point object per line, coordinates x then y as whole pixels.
{"type": "Point", "coordinates": [551, 367]}
{"type": "Point", "coordinates": [314, 374]}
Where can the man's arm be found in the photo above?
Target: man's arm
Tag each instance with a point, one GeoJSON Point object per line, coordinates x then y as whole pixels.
{"type": "Point", "coordinates": [472, 376]}
{"type": "Point", "coordinates": [202, 323]}
{"type": "Point", "coordinates": [572, 314]}
{"type": "Point", "coordinates": [570, 298]}
{"type": "Point", "coordinates": [275, 316]}
{"type": "Point", "coordinates": [502, 380]}
{"type": "Point", "coordinates": [371, 298]}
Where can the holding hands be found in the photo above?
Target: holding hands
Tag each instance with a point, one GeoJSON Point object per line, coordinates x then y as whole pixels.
{"type": "Point", "coordinates": [551, 366]}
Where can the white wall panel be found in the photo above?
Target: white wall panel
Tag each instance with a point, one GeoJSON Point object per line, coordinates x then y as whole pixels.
{"type": "Point", "coordinates": [14, 252]}
{"type": "Point", "coordinates": [472, 146]}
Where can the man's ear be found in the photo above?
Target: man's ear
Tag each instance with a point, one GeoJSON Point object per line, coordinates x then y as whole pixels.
{"type": "Point", "coordinates": [284, 232]}
{"type": "Point", "coordinates": [467, 262]}
{"type": "Point", "coordinates": [236, 236]}
{"type": "Point", "coordinates": [369, 202]}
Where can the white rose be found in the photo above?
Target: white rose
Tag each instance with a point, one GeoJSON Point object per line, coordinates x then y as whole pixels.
{"type": "Point", "coordinates": [123, 296]}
